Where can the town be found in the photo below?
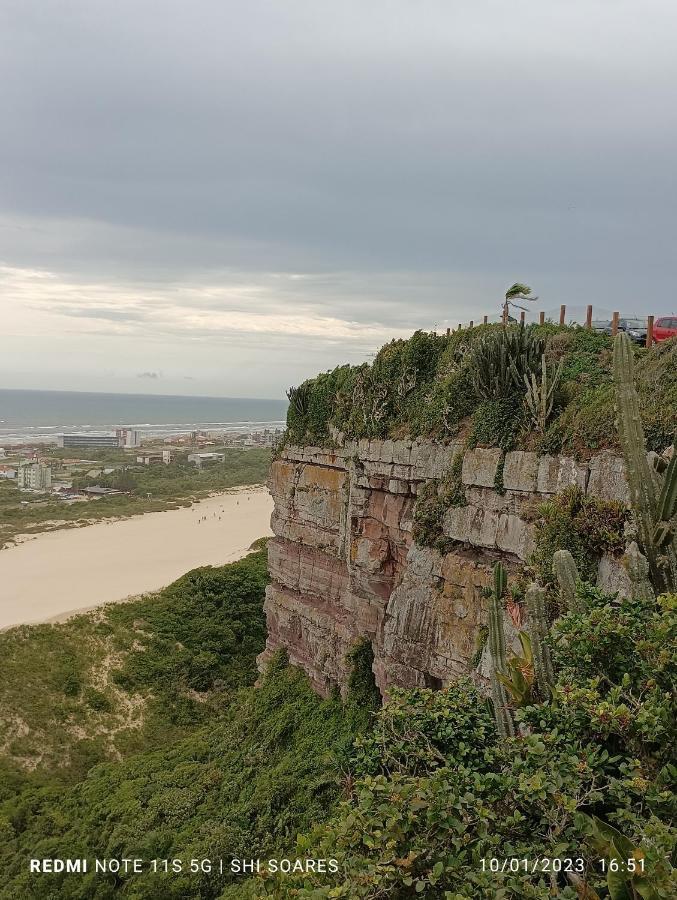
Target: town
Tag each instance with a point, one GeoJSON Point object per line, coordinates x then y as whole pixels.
{"type": "Point", "coordinates": [66, 474]}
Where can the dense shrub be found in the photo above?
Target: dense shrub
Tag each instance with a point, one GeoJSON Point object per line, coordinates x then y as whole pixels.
{"type": "Point", "coordinates": [437, 796]}
{"type": "Point", "coordinates": [243, 786]}
{"type": "Point", "coordinates": [497, 423]}
{"type": "Point", "coordinates": [433, 501]}
{"type": "Point", "coordinates": [430, 386]}
{"type": "Point", "coordinates": [584, 525]}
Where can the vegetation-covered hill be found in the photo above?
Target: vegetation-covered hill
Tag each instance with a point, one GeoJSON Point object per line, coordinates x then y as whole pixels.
{"type": "Point", "coordinates": [135, 731]}
{"type": "Point", "coordinates": [129, 676]}
{"type": "Point", "coordinates": [445, 386]}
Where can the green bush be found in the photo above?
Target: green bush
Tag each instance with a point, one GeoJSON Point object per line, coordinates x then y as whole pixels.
{"type": "Point", "coordinates": [496, 423]}
{"type": "Point", "coordinates": [433, 500]}
{"type": "Point", "coordinates": [436, 796]}
{"type": "Point", "coordinates": [584, 525]}
{"type": "Point", "coordinates": [430, 385]}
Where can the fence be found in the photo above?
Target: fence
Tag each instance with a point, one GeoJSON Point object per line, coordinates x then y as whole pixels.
{"type": "Point", "coordinates": [562, 320]}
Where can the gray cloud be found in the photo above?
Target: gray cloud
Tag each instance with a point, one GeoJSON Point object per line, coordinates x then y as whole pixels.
{"type": "Point", "coordinates": [152, 375]}
{"type": "Point", "coordinates": [391, 165]}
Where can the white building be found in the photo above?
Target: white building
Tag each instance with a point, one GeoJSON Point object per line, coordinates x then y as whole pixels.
{"type": "Point", "coordinates": [159, 456]}
{"type": "Point", "coordinates": [127, 437]}
{"type": "Point", "coordinates": [201, 458]}
{"type": "Point", "coordinates": [34, 476]}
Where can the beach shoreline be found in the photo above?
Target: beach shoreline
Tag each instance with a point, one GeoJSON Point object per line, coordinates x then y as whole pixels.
{"type": "Point", "coordinates": [66, 524]}
{"type": "Point", "coordinates": [56, 574]}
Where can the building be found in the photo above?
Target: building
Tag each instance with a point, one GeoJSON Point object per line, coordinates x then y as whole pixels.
{"type": "Point", "coordinates": [97, 491]}
{"type": "Point", "coordinates": [153, 459]}
{"type": "Point", "coordinates": [7, 471]}
{"type": "Point", "coordinates": [127, 437]}
{"type": "Point", "coordinates": [89, 441]}
{"type": "Point", "coordinates": [199, 459]}
{"type": "Point", "coordinates": [34, 476]}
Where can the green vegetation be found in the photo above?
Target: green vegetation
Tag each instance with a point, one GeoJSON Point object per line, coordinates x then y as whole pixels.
{"type": "Point", "coordinates": [487, 384]}
{"type": "Point", "coordinates": [210, 768]}
{"type": "Point", "coordinates": [435, 498]}
{"type": "Point", "coordinates": [437, 795]}
{"type": "Point", "coordinates": [584, 525]}
{"type": "Point", "coordinates": [149, 489]}
{"type": "Point", "coordinates": [653, 490]}
{"type": "Point", "coordinates": [130, 675]}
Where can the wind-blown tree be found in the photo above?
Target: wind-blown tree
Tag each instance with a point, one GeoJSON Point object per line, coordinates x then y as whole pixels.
{"type": "Point", "coordinates": [516, 294]}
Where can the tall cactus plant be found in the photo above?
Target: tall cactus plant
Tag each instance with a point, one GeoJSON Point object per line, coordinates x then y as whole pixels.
{"type": "Point", "coordinates": [504, 722]}
{"type": "Point", "coordinates": [653, 494]}
{"type": "Point", "coordinates": [540, 395]}
{"type": "Point", "coordinates": [538, 629]}
{"type": "Point", "coordinates": [564, 569]}
{"type": "Point", "coordinates": [637, 567]}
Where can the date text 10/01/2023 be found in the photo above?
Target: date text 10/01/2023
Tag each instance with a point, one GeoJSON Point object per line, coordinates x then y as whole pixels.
{"type": "Point", "coordinates": [555, 864]}
{"type": "Point", "coordinates": [136, 866]}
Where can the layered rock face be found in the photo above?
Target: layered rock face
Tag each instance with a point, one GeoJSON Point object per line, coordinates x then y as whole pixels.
{"type": "Point", "coordinates": [344, 566]}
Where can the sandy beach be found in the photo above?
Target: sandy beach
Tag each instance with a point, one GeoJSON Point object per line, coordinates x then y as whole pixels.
{"type": "Point", "coordinates": [54, 574]}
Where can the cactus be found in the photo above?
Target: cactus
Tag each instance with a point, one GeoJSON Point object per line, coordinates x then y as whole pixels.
{"type": "Point", "coordinates": [653, 494]}
{"type": "Point", "coordinates": [538, 628]}
{"type": "Point", "coordinates": [637, 567]}
{"type": "Point", "coordinates": [540, 395]}
{"type": "Point", "coordinates": [299, 398]}
{"type": "Point", "coordinates": [564, 569]}
{"type": "Point", "coordinates": [501, 361]}
{"type": "Point", "coordinates": [504, 722]}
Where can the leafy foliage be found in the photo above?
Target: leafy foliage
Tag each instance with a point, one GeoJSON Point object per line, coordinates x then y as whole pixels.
{"type": "Point", "coordinates": [432, 384]}
{"type": "Point", "coordinates": [582, 524]}
{"type": "Point", "coordinates": [132, 675]}
{"type": "Point", "coordinates": [426, 809]}
{"type": "Point", "coordinates": [270, 765]}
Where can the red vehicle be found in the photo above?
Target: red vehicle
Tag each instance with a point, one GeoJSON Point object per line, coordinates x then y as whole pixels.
{"type": "Point", "coordinates": [665, 328]}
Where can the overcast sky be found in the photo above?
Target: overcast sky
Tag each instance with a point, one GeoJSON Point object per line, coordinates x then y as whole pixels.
{"type": "Point", "coordinates": [218, 197]}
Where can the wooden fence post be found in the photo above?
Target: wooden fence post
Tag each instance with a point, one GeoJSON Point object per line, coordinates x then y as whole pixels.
{"type": "Point", "coordinates": [588, 317]}
{"type": "Point", "coordinates": [505, 314]}
{"type": "Point", "coordinates": [649, 331]}
{"type": "Point", "coordinates": [471, 324]}
{"type": "Point", "coordinates": [522, 314]}
{"type": "Point", "coordinates": [562, 314]}
{"type": "Point", "coordinates": [541, 318]}
{"type": "Point", "coordinates": [460, 327]}
{"type": "Point", "coordinates": [448, 331]}
{"type": "Point", "coordinates": [485, 320]}
{"type": "Point", "coordinates": [614, 325]}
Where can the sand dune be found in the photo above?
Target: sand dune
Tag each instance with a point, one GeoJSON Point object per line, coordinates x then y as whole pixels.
{"type": "Point", "coordinates": [65, 571]}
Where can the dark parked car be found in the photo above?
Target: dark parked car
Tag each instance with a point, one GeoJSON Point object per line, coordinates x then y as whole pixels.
{"type": "Point", "coordinates": [634, 328]}
{"type": "Point", "coordinates": [665, 328]}
{"type": "Point", "coordinates": [601, 325]}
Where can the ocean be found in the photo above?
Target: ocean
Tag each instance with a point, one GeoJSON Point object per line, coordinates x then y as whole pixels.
{"type": "Point", "coordinates": [41, 416]}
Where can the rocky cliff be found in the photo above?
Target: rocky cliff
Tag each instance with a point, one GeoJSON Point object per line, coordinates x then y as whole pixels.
{"type": "Point", "coordinates": [344, 565]}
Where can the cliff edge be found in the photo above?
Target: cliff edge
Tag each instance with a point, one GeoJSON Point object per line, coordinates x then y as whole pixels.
{"type": "Point", "coordinates": [345, 566]}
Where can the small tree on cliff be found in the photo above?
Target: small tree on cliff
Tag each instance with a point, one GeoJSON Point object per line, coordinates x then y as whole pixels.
{"type": "Point", "coordinates": [515, 295]}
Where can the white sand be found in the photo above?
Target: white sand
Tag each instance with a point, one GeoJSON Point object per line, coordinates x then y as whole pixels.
{"type": "Point", "coordinates": [65, 571]}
